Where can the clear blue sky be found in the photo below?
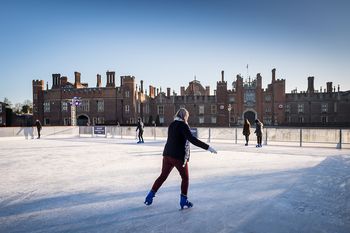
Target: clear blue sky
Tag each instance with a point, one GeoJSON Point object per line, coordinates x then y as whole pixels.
{"type": "Point", "coordinates": [166, 43]}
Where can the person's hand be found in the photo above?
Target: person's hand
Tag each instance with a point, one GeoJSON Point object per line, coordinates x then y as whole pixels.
{"type": "Point", "coordinates": [212, 150]}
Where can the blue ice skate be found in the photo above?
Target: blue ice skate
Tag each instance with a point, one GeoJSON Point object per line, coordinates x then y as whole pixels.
{"type": "Point", "coordinates": [149, 198]}
{"type": "Point", "coordinates": [184, 202]}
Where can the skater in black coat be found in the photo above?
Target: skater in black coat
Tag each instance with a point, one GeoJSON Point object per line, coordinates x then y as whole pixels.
{"type": "Point", "coordinates": [259, 132]}
{"type": "Point", "coordinates": [176, 154]}
{"type": "Point", "coordinates": [38, 127]}
{"type": "Point", "coordinates": [246, 131]}
{"type": "Point", "coordinates": [140, 127]}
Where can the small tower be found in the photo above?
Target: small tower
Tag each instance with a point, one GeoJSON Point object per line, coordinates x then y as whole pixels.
{"type": "Point", "coordinates": [38, 99]}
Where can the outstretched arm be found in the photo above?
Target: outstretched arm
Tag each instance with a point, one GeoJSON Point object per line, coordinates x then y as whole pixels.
{"type": "Point", "coordinates": [195, 141]}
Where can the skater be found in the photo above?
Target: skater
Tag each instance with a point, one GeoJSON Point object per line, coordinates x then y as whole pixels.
{"type": "Point", "coordinates": [259, 132]}
{"type": "Point", "coordinates": [38, 127]}
{"type": "Point", "coordinates": [246, 131]}
{"type": "Point", "coordinates": [140, 127]}
{"type": "Point", "coordinates": [176, 154]}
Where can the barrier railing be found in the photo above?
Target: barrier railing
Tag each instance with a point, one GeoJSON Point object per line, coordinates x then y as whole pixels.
{"type": "Point", "coordinates": [323, 137]}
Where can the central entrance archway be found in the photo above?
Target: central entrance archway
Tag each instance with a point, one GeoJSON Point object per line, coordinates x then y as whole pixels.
{"type": "Point", "coordinates": [250, 115]}
{"type": "Point", "coordinates": [83, 120]}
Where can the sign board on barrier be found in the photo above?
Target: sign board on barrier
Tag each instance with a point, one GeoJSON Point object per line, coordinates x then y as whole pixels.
{"type": "Point", "coordinates": [194, 132]}
{"type": "Point", "coordinates": [100, 130]}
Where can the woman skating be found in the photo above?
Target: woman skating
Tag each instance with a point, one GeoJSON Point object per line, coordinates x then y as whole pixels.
{"type": "Point", "coordinates": [176, 154]}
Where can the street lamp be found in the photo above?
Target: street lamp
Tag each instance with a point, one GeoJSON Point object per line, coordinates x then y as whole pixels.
{"type": "Point", "coordinates": [229, 108]}
{"type": "Point", "coordinates": [76, 101]}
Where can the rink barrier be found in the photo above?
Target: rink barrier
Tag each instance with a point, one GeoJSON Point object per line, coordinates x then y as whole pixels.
{"type": "Point", "coordinates": [302, 137]}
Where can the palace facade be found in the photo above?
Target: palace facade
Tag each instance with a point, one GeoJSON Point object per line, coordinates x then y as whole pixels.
{"type": "Point", "coordinates": [231, 102]}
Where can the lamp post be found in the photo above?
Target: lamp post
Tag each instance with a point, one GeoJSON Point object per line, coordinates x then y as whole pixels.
{"type": "Point", "coordinates": [229, 108]}
{"type": "Point", "coordinates": [76, 101]}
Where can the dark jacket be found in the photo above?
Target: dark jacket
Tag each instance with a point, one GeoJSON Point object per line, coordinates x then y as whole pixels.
{"type": "Point", "coordinates": [178, 133]}
{"type": "Point", "coordinates": [246, 129]}
{"type": "Point", "coordinates": [38, 125]}
{"type": "Point", "coordinates": [140, 126]}
{"type": "Point", "coordinates": [259, 129]}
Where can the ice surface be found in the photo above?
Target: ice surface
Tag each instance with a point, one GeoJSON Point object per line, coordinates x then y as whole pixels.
{"type": "Point", "coordinates": [99, 185]}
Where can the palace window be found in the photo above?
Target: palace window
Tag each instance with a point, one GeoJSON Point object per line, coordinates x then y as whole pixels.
{"type": "Point", "coordinates": [100, 120]}
{"type": "Point", "coordinates": [300, 109]}
{"type": "Point", "coordinates": [301, 119]}
{"type": "Point", "coordinates": [268, 98]}
{"type": "Point", "coordinates": [161, 110]}
{"type": "Point", "coordinates": [231, 99]}
{"type": "Point", "coordinates": [84, 106]}
{"type": "Point", "coordinates": [267, 120]}
{"type": "Point", "coordinates": [46, 121]}
{"type": "Point", "coordinates": [161, 119]}
{"type": "Point", "coordinates": [127, 109]}
{"type": "Point", "coordinates": [324, 107]}
{"type": "Point", "coordinates": [213, 109]}
{"type": "Point", "coordinates": [0, 120]}
{"type": "Point", "coordinates": [64, 106]}
{"type": "Point", "coordinates": [35, 96]}
{"type": "Point", "coordinates": [287, 108]}
{"type": "Point", "coordinates": [335, 106]}
{"type": "Point", "coordinates": [47, 106]}
{"type": "Point", "coordinates": [201, 120]}
{"type": "Point", "coordinates": [66, 121]}
{"type": "Point", "coordinates": [268, 110]}
{"type": "Point", "coordinates": [127, 94]}
{"type": "Point", "coordinates": [288, 119]}
{"type": "Point", "coordinates": [201, 109]}
{"type": "Point", "coordinates": [100, 105]}
{"type": "Point", "coordinates": [213, 120]}
{"type": "Point", "coordinates": [324, 119]}
{"type": "Point", "coordinates": [0, 108]}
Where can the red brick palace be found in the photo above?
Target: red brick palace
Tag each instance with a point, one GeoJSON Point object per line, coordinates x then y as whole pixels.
{"type": "Point", "coordinates": [228, 106]}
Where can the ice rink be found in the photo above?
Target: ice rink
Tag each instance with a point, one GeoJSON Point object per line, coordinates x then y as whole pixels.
{"type": "Point", "coordinates": [99, 185]}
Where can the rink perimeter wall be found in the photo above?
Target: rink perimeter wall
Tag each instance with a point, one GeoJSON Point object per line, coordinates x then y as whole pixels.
{"type": "Point", "coordinates": [310, 137]}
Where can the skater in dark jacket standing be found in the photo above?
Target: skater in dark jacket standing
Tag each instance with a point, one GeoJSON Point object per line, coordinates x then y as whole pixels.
{"type": "Point", "coordinates": [176, 154]}
{"type": "Point", "coordinates": [38, 127]}
{"type": "Point", "coordinates": [259, 132]}
{"type": "Point", "coordinates": [246, 131]}
{"type": "Point", "coordinates": [140, 127]}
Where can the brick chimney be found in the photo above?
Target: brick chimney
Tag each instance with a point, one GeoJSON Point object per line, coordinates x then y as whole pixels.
{"type": "Point", "coordinates": [310, 85]}
{"type": "Point", "coordinates": [273, 75]}
{"type": "Point", "coordinates": [168, 92]}
{"type": "Point", "coordinates": [207, 90]}
{"type": "Point", "coordinates": [329, 86]}
{"type": "Point", "coordinates": [64, 80]}
{"type": "Point", "coordinates": [141, 86]}
{"type": "Point", "coordinates": [182, 91]}
{"type": "Point", "coordinates": [222, 75]}
{"type": "Point", "coordinates": [56, 80]}
{"type": "Point", "coordinates": [99, 80]}
{"type": "Point", "coordinates": [110, 79]}
{"type": "Point", "coordinates": [77, 83]}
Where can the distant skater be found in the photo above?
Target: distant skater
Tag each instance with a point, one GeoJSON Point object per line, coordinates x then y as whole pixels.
{"type": "Point", "coordinates": [38, 127]}
{"type": "Point", "coordinates": [259, 132]}
{"type": "Point", "coordinates": [176, 154]}
{"type": "Point", "coordinates": [246, 131]}
{"type": "Point", "coordinates": [140, 127]}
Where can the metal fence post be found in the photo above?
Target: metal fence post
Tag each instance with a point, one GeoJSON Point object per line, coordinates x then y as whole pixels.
{"type": "Point", "coordinates": [236, 135]}
{"type": "Point", "coordinates": [209, 135]}
{"type": "Point", "coordinates": [301, 137]}
{"type": "Point", "coordinates": [339, 146]}
{"type": "Point", "coordinates": [154, 128]}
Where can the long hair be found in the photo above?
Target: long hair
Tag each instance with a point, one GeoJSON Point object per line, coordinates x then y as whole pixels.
{"type": "Point", "coordinates": [181, 113]}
